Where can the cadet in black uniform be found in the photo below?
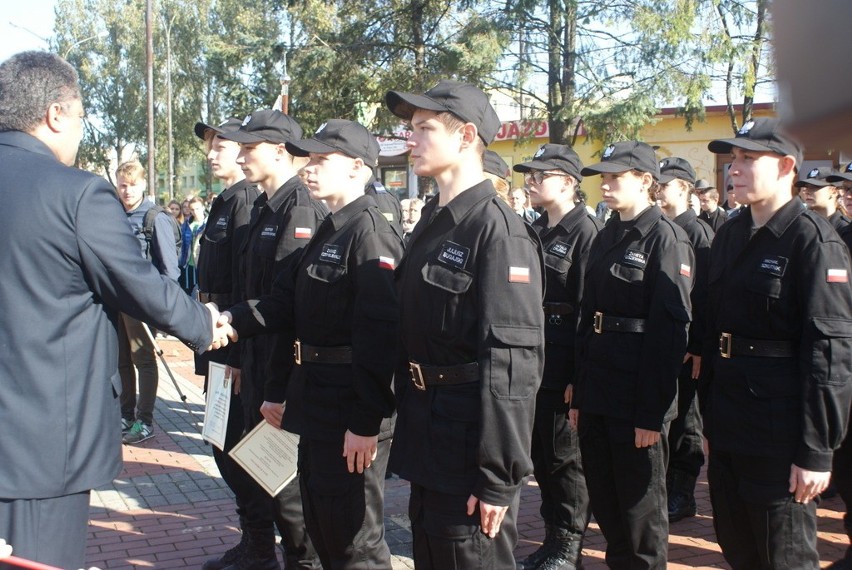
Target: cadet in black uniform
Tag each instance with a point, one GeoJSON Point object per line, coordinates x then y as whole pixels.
{"type": "Point", "coordinates": [566, 231]}
{"type": "Point", "coordinates": [822, 196]}
{"type": "Point", "coordinates": [711, 211]}
{"type": "Point", "coordinates": [497, 171]}
{"type": "Point", "coordinates": [780, 330]}
{"type": "Point", "coordinates": [686, 441]}
{"type": "Point", "coordinates": [631, 343]}
{"type": "Point", "coordinates": [342, 301]}
{"type": "Point", "coordinates": [470, 292]}
{"type": "Point", "coordinates": [283, 220]}
{"type": "Point", "coordinates": [217, 270]}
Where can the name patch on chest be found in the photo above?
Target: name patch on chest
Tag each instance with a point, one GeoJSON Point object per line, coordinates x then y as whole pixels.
{"type": "Point", "coordinates": [559, 249]}
{"type": "Point", "coordinates": [331, 253]}
{"type": "Point", "coordinates": [221, 223]}
{"type": "Point", "coordinates": [453, 254]}
{"type": "Point", "coordinates": [269, 232]}
{"type": "Point", "coordinates": [775, 265]}
{"type": "Point", "coordinates": [635, 258]}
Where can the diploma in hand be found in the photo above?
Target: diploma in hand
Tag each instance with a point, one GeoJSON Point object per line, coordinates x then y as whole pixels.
{"type": "Point", "coordinates": [269, 455]}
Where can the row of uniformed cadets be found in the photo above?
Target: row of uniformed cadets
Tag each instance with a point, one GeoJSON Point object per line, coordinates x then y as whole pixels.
{"type": "Point", "coordinates": [490, 364]}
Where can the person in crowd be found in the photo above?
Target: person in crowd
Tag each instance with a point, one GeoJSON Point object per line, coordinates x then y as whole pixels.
{"type": "Point", "coordinates": [284, 219]}
{"type": "Point", "coordinates": [218, 267]}
{"type": "Point", "coordinates": [602, 211]}
{"type": "Point", "coordinates": [470, 292]}
{"type": "Point", "coordinates": [388, 203]}
{"type": "Point", "coordinates": [497, 171]}
{"type": "Point", "coordinates": [708, 197]}
{"type": "Point", "coordinates": [175, 211]}
{"type": "Point", "coordinates": [411, 208]}
{"type": "Point", "coordinates": [59, 328]}
{"type": "Point", "coordinates": [734, 207]}
{"type": "Point", "coordinates": [187, 277]}
{"type": "Point", "coordinates": [155, 229]}
{"type": "Point", "coordinates": [566, 231]}
{"type": "Point", "coordinates": [520, 198]}
{"type": "Point", "coordinates": [632, 338]}
{"type": "Point", "coordinates": [341, 302]}
{"type": "Point", "coordinates": [779, 316]}
{"type": "Point", "coordinates": [843, 180]}
{"type": "Point", "coordinates": [822, 196]}
{"type": "Point", "coordinates": [686, 441]}
{"type": "Point", "coordinates": [196, 227]}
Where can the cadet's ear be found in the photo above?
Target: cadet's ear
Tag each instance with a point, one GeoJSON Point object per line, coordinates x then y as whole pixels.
{"type": "Point", "coordinates": [787, 166]}
{"type": "Point", "coordinates": [54, 116]}
{"type": "Point", "coordinates": [469, 134]}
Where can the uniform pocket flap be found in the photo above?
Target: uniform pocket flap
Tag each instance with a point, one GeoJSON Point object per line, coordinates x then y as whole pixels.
{"type": "Point", "coordinates": [326, 272]}
{"type": "Point", "coordinates": [442, 277]}
{"type": "Point", "coordinates": [626, 273]}
{"type": "Point", "coordinates": [514, 335]}
{"type": "Point", "coordinates": [833, 327]}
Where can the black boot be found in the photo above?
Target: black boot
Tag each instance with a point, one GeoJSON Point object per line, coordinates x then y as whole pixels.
{"type": "Point", "coordinates": [681, 501]}
{"type": "Point", "coordinates": [230, 556]}
{"type": "Point", "coordinates": [260, 551]}
{"type": "Point", "coordinates": [566, 553]}
{"type": "Point", "coordinates": [532, 561]}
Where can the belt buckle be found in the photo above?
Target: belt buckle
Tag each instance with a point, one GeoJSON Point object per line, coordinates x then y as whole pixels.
{"type": "Point", "coordinates": [725, 345]}
{"type": "Point", "coordinates": [297, 351]}
{"type": "Point", "coordinates": [417, 376]}
{"type": "Point", "coordinates": [598, 322]}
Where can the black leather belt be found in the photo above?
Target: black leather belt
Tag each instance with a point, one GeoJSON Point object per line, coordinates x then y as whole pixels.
{"type": "Point", "coordinates": [221, 299]}
{"type": "Point", "coordinates": [322, 354]}
{"type": "Point", "coordinates": [423, 375]}
{"type": "Point", "coordinates": [603, 323]}
{"type": "Point", "coordinates": [730, 345]}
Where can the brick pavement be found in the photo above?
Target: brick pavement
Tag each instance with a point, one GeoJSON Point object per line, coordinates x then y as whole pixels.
{"type": "Point", "coordinates": [169, 508]}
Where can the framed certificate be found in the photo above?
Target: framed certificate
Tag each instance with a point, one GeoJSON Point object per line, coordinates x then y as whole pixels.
{"type": "Point", "coordinates": [269, 455]}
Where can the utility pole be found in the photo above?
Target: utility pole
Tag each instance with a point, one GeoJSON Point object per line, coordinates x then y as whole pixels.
{"type": "Point", "coordinates": [149, 79]}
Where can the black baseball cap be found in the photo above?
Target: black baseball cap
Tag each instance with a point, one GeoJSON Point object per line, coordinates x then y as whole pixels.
{"type": "Point", "coordinates": [339, 135]}
{"type": "Point", "coordinates": [467, 102]}
{"type": "Point", "coordinates": [623, 156]}
{"type": "Point", "coordinates": [816, 177]}
{"type": "Point", "coordinates": [266, 125]}
{"type": "Point", "coordinates": [846, 174]}
{"type": "Point", "coordinates": [762, 135]}
{"type": "Point", "coordinates": [676, 167]}
{"type": "Point", "coordinates": [492, 163]}
{"type": "Point", "coordinates": [554, 157]}
{"type": "Point", "coordinates": [231, 124]}
{"type": "Point", "coordinates": [702, 185]}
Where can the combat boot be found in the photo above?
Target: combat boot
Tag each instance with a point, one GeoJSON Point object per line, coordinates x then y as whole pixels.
{"type": "Point", "coordinates": [232, 555]}
{"type": "Point", "coordinates": [260, 551]}
{"type": "Point", "coordinates": [532, 561]}
{"type": "Point", "coordinates": [681, 501]}
{"type": "Point", "coordinates": [566, 553]}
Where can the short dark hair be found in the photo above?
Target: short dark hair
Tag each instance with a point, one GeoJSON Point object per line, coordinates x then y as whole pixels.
{"type": "Point", "coordinates": [30, 82]}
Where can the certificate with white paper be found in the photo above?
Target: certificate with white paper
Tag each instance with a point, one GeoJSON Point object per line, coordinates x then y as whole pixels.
{"type": "Point", "coordinates": [218, 405]}
{"type": "Point", "coordinates": [269, 455]}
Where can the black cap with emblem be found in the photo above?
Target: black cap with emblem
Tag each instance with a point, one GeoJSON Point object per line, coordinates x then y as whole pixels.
{"type": "Point", "coordinates": [467, 102]}
{"type": "Point", "coordinates": [230, 125]}
{"type": "Point", "coordinates": [816, 177]}
{"type": "Point", "coordinates": [266, 125]}
{"type": "Point", "coordinates": [339, 135]}
{"type": "Point", "coordinates": [846, 175]}
{"type": "Point", "coordinates": [676, 167]}
{"type": "Point", "coordinates": [623, 156]}
{"type": "Point", "coordinates": [554, 157]}
{"type": "Point", "coordinates": [492, 163]}
{"type": "Point", "coordinates": [762, 135]}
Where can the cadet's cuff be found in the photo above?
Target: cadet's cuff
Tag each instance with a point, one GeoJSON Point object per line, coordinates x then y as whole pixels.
{"type": "Point", "coordinates": [497, 496]}
{"type": "Point", "coordinates": [365, 424]}
{"type": "Point", "coordinates": [814, 460]}
{"type": "Point", "coordinates": [651, 422]}
{"type": "Point", "coordinates": [275, 392]}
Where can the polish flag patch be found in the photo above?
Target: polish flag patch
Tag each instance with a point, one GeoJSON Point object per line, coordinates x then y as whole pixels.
{"type": "Point", "coordinates": [303, 233]}
{"type": "Point", "coordinates": [685, 270]}
{"type": "Point", "coordinates": [519, 274]}
{"type": "Point", "coordinates": [387, 262]}
{"type": "Point", "coordinates": [837, 276]}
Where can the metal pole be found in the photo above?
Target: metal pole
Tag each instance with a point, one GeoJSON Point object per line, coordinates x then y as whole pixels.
{"type": "Point", "coordinates": [171, 182]}
{"type": "Point", "coordinates": [149, 60]}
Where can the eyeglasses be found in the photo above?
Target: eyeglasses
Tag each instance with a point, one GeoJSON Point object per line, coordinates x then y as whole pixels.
{"type": "Point", "coordinates": [538, 176]}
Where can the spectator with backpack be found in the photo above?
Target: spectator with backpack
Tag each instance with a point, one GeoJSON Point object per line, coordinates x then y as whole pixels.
{"type": "Point", "coordinates": [159, 240]}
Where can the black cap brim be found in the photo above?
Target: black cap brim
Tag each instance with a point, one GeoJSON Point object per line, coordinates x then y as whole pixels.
{"type": "Point", "coordinates": [665, 178]}
{"type": "Point", "coordinates": [202, 128]}
{"type": "Point", "coordinates": [403, 104]}
{"type": "Point", "coordinates": [844, 176]}
{"type": "Point", "coordinates": [533, 165]}
{"type": "Point", "coordinates": [820, 183]}
{"type": "Point", "coordinates": [244, 137]}
{"type": "Point", "coordinates": [307, 146]}
{"type": "Point", "coordinates": [724, 146]}
{"type": "Point", "coordinates": [605, 167]}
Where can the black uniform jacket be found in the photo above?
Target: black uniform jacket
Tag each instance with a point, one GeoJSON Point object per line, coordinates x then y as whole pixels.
{"type": "Point", "coordinates": [280, 227]}
{"type": "Point", "coordinates": [789, 282]}
{"type": "Point", "coordinates": [470, 291]}
{"type": "Point", "coordinates": [69, 263]}
{"type": "Point", "coordinates": [701, 237]}
{"type": "Point", "coordinates": [341, 294]}
{"type": "Point", "coordinates": [714, 220]}
{"type": "Point", "coordinates": [566, 254]}
{"type": "Point", "coordinates": [388, 205]}
{"type": "Point", "coordinates": [838, 221]}
{"type": "Point", "coordinates": [218, 261]}
{"type": "Point", "coordinates": [645, 273]}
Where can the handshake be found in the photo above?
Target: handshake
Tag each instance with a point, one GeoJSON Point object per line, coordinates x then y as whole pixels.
{"type": "Point", "coordinates": [223, 332]}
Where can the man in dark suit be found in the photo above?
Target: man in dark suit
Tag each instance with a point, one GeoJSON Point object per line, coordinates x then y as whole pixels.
{"type": "Point", "coordinates": [69, 264]}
